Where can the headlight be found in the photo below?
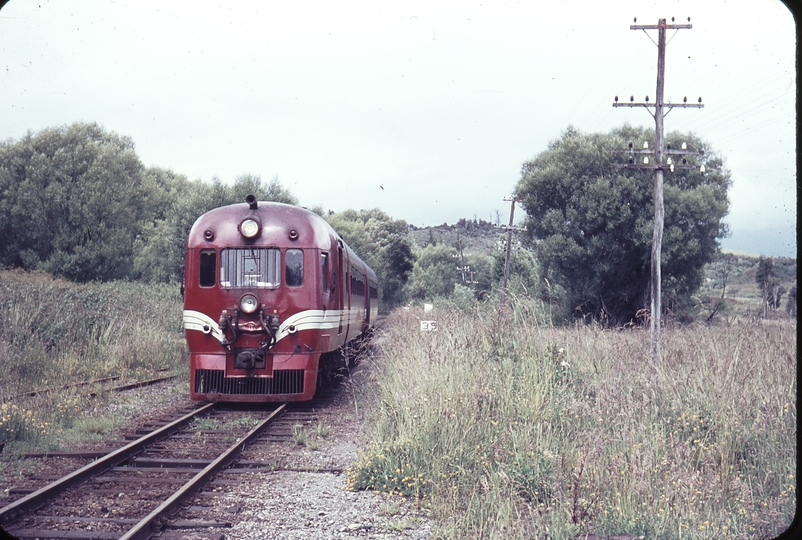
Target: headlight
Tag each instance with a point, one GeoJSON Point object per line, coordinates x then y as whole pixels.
{"type": "Point", "coordinates": [249, 228]}
{"type": "Point", "coordinates": [249, 303]}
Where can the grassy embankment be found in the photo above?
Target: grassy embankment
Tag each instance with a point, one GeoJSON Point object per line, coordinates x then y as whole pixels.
{"type": "Point", "coordinates": [53, 333]}
{"type": "Point", "coordinates": [533, 431]}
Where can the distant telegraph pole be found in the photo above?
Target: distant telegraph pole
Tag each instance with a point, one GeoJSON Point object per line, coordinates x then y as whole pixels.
{"type": "Point", "coordinates": [510, 229]}
{"type": "Point", "coordinates": [464, 269]}
{"type": "Point", "coordinates": [658, 166]}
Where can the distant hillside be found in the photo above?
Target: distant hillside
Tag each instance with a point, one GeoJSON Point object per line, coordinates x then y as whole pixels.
{"type": "Point", "coordinates": [741, 253]}
{"type": "Point", "coordinates": [478, 237]}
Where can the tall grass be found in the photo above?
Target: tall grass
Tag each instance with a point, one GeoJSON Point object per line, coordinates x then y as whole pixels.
{"type": "Point", "coordinates": [53, 332]}
{"type": "Point", "coordinates": [532, 431]}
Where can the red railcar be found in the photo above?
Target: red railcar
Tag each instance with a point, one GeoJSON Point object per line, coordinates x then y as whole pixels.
{"type": "Point", "coordinates": [271, 295]}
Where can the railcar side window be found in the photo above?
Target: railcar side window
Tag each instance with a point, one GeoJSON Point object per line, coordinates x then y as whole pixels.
{"type": "Point", "coordinates": [250, 267]}
{"type": "Point", "coordinates": [324, 268]}
{"type": "Point", "coordinates": [208, 265]}
{"type": "Point", "coordinates": [294, 267]}
{"type": "Point", "coordinates": [357, 282]}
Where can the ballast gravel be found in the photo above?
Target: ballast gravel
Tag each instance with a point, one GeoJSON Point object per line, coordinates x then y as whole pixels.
{"type": "Point", "coordinates": [298, 505]}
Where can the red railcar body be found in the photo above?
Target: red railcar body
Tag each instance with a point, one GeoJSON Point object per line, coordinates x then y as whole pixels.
{"type": "Point", "coordinates": [271, 294]}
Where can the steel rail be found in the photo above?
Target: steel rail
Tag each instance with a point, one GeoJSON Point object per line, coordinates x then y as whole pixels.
{"type": "Point", "coordinates": [145, 528]}
{"type": "Point", "coordinates": [96, 467]}
{"type": "Point", "coordinates": [139, 384]}
{"type": "Point", "coordinates": [34, 393]}
{"type": "Point", "coordinates": [129, 386]}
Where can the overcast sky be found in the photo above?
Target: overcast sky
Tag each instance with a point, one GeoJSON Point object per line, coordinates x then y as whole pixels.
{"type": "Point", "coordinates": [425, 109]}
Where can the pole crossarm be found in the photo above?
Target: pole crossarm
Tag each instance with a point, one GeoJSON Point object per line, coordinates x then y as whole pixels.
{"type": "Point", "coordinates": [668, 166]}
{"type": "Point", "coordinates": [657, 26]}
{"type": "Point", "coordinates": [651, 151]}
{"type": "Point", "coordinates": [514, 229]}
{"type": "Point", "coordinates": [653, 105]}
{"type": "Point", "coordinates": [654, 167]}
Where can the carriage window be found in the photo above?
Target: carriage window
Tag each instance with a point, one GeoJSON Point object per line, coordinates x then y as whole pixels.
{"type": "Point", "coordinates": [208, 264]}
{"type": "Point", "coordinates": [324, 266]}
{"type": "Point", "coordinates": [250, 267]}
{"type": "Point", "coordinates": [294, 267]}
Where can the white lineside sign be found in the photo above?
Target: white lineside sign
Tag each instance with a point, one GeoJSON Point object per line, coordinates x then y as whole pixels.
{"type": "Point", "coordinates": [428, 326]}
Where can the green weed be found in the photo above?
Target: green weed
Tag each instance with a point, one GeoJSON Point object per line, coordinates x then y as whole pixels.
{"type": "Point", "coordinates": [310, 437]}
{"type": "Point", "coordinates": [322, 430]}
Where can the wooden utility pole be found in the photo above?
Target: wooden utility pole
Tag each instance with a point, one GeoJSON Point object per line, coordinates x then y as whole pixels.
{"type": "Point", "coordinates": [461, 255]}
{"type": "Point", "coordinates": [658, 166]}
{"type": "Point", "coordinates": [510, 229]}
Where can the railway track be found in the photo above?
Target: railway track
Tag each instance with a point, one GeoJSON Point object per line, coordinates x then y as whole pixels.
{"type": "Point", "coordinates": [97, 382]}
{"type": "Point", "coordinates": [137, 491]}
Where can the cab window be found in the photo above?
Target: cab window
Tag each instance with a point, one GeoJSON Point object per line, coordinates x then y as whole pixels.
{"type": "Point", "coordinates": [208, 267]}
{"type": "Point", "coordinates": [294, 267]}
{"type": "Point", "coordinates": [250, 267]}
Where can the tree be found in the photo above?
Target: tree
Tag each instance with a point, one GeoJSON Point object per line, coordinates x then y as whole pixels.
{"type": "Point", "coordinates": [721, 268]}
{"type": "Point", "coordinates": [397, 267]}
{"type": "Point", "coordinates": [593, 223]}
{"type": "Point", "coordinates": [72, 200]}
{"type": "Point", "coordinates": [769, 284]}
{"type": "Point", "coordinates": [434, 274]}
{"type": "Point", "coordinates": [523, 272]}
{"type": "Point", "coordinates": [76, 201]}
{"type": "Point", "coordinates": [159, 247]}
{"type": "Point", "coordinates": [249, 184]}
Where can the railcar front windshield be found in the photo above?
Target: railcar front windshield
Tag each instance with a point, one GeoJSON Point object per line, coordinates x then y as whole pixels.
{"type": "Point", "coordinates": [250, 267]}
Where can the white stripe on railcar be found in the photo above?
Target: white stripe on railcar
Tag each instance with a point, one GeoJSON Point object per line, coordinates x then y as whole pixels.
{"type": "Point", "coordinates": [311, 319]}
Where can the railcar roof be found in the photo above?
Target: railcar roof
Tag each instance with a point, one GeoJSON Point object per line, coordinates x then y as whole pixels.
{"type": "Point", "coordinates": [277, 220]}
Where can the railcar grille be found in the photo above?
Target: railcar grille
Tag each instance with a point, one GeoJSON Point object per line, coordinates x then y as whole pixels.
{"type": "Point", "coordinates": [284, 381]}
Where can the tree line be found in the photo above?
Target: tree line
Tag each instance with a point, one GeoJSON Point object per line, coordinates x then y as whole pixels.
{"type": "Point", "coordinates": [77, 202]}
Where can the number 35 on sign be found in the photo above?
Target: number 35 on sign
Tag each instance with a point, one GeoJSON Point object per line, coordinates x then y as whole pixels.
{"type": "Point", "coordinates": [428, 326]}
